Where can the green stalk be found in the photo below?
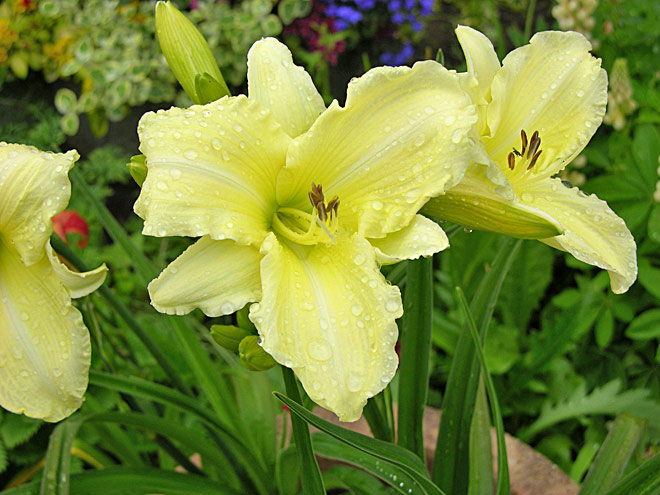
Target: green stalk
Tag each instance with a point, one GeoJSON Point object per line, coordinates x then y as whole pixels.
{"type": "Point", "coordinates": [415, 351]}
{"type": "Point", "coordinates": [312, 484]}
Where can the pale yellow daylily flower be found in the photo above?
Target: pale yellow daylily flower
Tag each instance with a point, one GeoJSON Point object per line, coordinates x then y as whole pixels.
{"type": "Point", "coordinates": [44, 345]}
{"type": "Point", "coordinates": [242, 173]}
{"type": "Point", "coordinates": [537, 111]}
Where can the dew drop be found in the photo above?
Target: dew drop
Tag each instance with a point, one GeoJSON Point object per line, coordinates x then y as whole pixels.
{"type": "Point", "coordinates": [190, 154]}
{"type": "Point", "coordinates": [319, 350]}
{"type": "Point", "coordinates": [356, 309]}
{"type": "Point", "coordinates": [377, 205]}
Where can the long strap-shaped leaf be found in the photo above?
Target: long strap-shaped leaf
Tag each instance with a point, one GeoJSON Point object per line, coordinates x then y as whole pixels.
{"type": "Point", "coordinates": [645, 480]}
{"type": "Point", "coordinates": [614, 455]}
{"type": "Point", "coordinates": [503, 487]}
{"type": "Point", "coordinates": [415, 351]}
{"type": "Point", "coordinates": [393, 454]}
{"type": "Point", "coordinates": [132, 481]}
{"type": "Point", "coordinates": [159, 393]}
{"type": "Point", "coordinates": [55, 479]}
{"type": "Point", "coordinates": [451, 463]}
{"type": "Point", "coordinates": [310, 475]}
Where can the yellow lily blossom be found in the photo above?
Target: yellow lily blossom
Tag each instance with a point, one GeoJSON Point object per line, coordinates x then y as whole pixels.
{"type": "Point", "coordinates": [537, 111]}
{"type": "Point", "coordinates": [44, 345]}
{"type": "Point", "coordinates": [298, 205]}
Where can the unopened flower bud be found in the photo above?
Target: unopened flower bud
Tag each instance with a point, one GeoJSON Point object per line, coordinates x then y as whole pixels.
{"type": "Point", "coordinates": [186, 51]}
{"type": "Point", "coordinates": [138, 169]}
{"type": "Point", "coordinates": [252, 355]}
{"type": "Point", "coordinates": [229, 336]}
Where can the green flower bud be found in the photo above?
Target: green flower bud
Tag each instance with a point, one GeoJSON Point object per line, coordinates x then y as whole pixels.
{"type": "Point", "coordinates": [138, 169]}
{"type": "Point", "coordinates": [186, 51]}
{"type": "Point", "coordinates": [252, 355]}
{"type": "Point", "coordinates": [243, 321]}
{"type": "Point", "coordinates": [229, 336]}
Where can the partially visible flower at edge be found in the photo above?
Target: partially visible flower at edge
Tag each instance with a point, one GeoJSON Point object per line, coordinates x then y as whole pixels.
{"type": "Point", "coordinates": [44, 345]}
{"type": "Point", "coordinates": [537, 111]}
{"type": "Point", "coordinates": [298, 205]}
{"type": "Point", "coordinates": [70, 222]}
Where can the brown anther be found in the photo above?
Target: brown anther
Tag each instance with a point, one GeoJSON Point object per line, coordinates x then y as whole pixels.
{"type": "Point", "coordinates": [534, 144]}
{"type": "Point", "coordinates": [536, 157]}
{"type": "Point", "coordinates": [523, 138]}
{"type": "Point", "coordinates": [317, 199]}
{"type": "Point", "coordinates": [512, 161]}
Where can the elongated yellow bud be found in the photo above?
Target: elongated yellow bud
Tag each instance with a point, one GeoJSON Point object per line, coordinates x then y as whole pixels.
{"type": "Point", "coordinates": [187, 52]}
{"type": "Point", "coordinates": [491, 214]}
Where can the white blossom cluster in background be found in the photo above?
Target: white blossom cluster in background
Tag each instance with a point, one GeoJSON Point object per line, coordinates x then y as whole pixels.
{"type": "Point", "coordinates": [576, 15]}
{"type": "Point", "coordinates": [620, 101]}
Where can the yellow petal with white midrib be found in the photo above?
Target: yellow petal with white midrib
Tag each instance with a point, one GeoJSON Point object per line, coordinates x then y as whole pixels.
{"type": "Point", "coordinates": [45, 351]}
{"type": "Point", "coordinates": [329, 314]}
{"type": "Point", "coordinates": [211, 170]}
{"type": "Point", "coordinates": [218, 277]}
{"type": "Point", "coordinates": [593, 233]}
{"type": "Point", "coordinates": [553, 86]}
{"type": "Point", "coordinates": [404, 135]}
{"type": "Point", "coordinates": [34, 187]}
{"type": "Point", "coordinates": [283, 87]}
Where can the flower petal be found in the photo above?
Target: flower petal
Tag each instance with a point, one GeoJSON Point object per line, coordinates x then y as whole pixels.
{"type": "Point", "coordinates": [482, 61]}
{"type": "Point", "coordinates": [79, 284]}
{"type": "Point", "coordinates": [422, 237]}
{"type": "Point", "coordinates": [211, 170]}
{"type": "Point", "coordinates": [593, 232]}
{"type": "Point", "coordinates": [403, 136]}
{"type": "Point", "coordinates": [328, 313]}
{"type": "Point", "coordinates": [554, 86]}
{"type": "Point", "coordinates": [286, 89]}
{"type": "Point", "coordinates": [34, 186]}
{"type": "Point", "coordinates": [477, 203]}
{"type": "Point", "coordinates": [44, 345]}
{"type": "Point", "coordinates": [218, 277]}
{"type": "Point", "coordinates": [482, 64]}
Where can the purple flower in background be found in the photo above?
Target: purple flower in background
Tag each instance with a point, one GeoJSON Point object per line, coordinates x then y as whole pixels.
{"type": "Point", "coordinates": [400, 58]}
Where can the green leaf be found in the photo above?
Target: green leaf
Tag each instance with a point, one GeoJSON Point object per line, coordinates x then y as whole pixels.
{"type": "Point", "coordinates": [415, 354]}
{"type": "Point", "coordinates": [604, 329]}
{"type": "Point", "coordinates": [607, 399]}
{"type": "Point", "coordinates": [135, 481]}
{"type": "Point", "coordinates": [645, 151]}
{"type": "Point", "coordinates": [653, 227]}
{"type": "Point", "coordinates": [55, 480]}
{"type": "Point", "coordinates": [3, 457]}
{"type": "Point", "coordinates": [649, 276]}
{"type": "Point", "coordinates": [65, 100]}
{"type": "Point", "coordinates": [502, 487]}
{"type": "Point", "coordinates": [450, 468]}
{"type": "Point", "coordinates": [646, 326]}
{"type": "Point", "coordinates": [271, 25]}
{"type": "Point", "coordinates": [397, 478]}
{"type": "Point", "coordinates": [17, 429]}
{"type": "Point", "coordinates": [354, 481]}
{"type": "Point", "coordinates": [482, 481]}
{"type": "Point", "coordinates": [70, 124]}
{"type": "Point", "coordinates": [614, 455]}
{"type": "Point", "coordinates": [645, 480]}
{"type": "Point", "coordinates": [394, 454]}
{"type": "Point", "coordinates": [521, 294]}
{"type": "Point", "coordinates": [287, 471]}
{"type": "Point", "coordinates": [310, 476]}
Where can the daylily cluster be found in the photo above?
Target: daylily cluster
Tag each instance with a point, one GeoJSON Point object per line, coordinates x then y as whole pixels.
{"type": "Point", "coordinates": [297, 206]}
{"type": "Point", "coordinates": [44, 345]}
{"type": "Point", "coordinates": [537, 111]}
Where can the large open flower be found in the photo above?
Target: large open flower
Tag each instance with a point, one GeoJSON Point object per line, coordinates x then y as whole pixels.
{"type": "Point", "coordinates": [44, 345]}
{"type": "Point", "coordinates": [297, 205]}
{"type": "Point", "coordinates": [536, 113]}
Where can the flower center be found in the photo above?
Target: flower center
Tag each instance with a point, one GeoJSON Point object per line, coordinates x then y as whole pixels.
{"type": "Point", "coordinates": [309, 228]}
{"type": "Point", "coordinates": [527, 157]}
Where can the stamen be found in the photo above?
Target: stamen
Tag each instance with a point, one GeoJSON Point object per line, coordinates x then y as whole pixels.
{"type": "Point", "coordinates": [534, 144]}
{"type": "Point", "coordinates": [317, 199]}
{"type": "Point", "coordinates": [536, 157]}
{"type": "Point", "coordinates": [512, 161]}
{"type": "Point", "coordinates": [533, 151]}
